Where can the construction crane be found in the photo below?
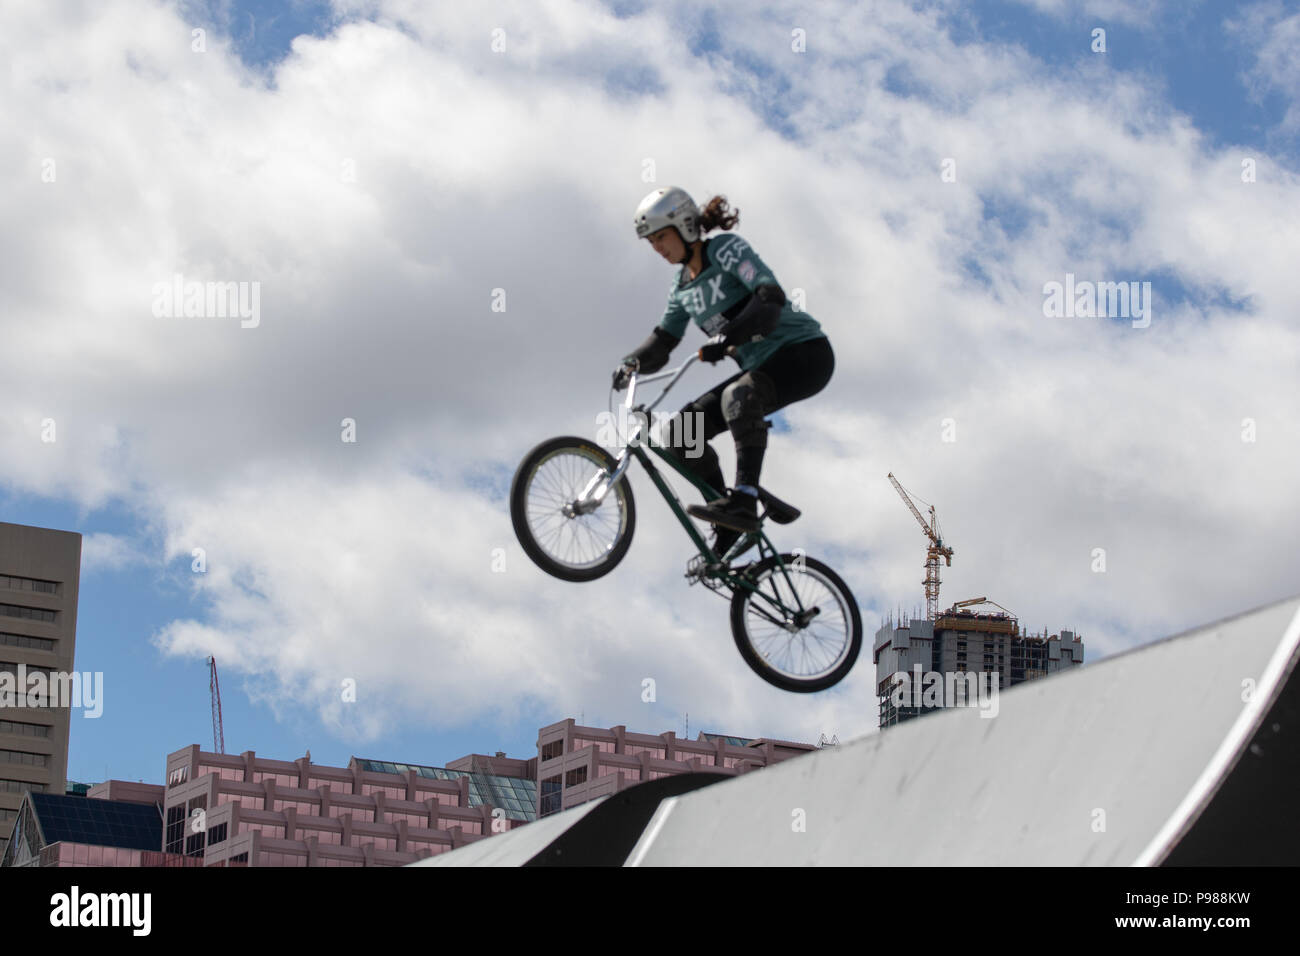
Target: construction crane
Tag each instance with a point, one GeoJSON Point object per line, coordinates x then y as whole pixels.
{"type": "Point", "coordinates": [218, 731]}
{"type": "Point", "coordinates": [936, 551]}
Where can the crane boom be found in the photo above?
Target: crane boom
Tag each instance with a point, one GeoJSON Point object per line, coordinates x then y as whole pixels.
{"type": "Point", "coordinates": [903, 494]}
{"type": "Point", "coordinates": [214, 688]}
{"type": "Point", "coordinates": [936, 551]}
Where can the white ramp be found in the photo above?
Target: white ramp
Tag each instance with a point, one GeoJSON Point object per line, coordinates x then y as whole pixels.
{"type": "Point", "coordinates": [516, 847]}
{"type": "Point", "coordinates": [1107, 765]}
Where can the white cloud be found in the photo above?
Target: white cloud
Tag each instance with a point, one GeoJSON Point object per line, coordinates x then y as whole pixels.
{"type": "Point", "coordinates": [1135, 12]}
{"type": "Point", "coordinates": [110, 552]}
{"type": "Point", "coordinates": [1274, 39]}
{"type": "Point", "coordinates": [518, 170]}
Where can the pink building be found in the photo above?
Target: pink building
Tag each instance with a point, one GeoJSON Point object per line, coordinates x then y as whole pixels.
{"type": "Point", "coordinates": [577, 764]}
{"type": "Point", "coordinates": [114, 824]}
{"type": "Point", "coordinates": [246, 810]}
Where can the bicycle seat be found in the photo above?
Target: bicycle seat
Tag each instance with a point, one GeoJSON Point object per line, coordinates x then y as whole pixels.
{"type": "Point", "coordinates": [779, 511]}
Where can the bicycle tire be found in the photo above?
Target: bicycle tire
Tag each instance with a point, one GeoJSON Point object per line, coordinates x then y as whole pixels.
{"type": "Point", "coordinates": [621, 523]}
{"type": "Point", "coordinates": [760, 661]}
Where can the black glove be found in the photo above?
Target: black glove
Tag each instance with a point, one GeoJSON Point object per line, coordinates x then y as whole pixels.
{"type": "Point", "coordinates": [714, 352]}
{"type": "Point", "coordinates": [760, 316]}
{"type": "Point", "coordinates": [651, 355]}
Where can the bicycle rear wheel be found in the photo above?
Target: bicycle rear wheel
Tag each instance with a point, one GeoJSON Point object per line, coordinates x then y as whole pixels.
{"type": "Point", "coordinates": [569, 545]}
{"type": "Point", "coordinates": [801, 653]}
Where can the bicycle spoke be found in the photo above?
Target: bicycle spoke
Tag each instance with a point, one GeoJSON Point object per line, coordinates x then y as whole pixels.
{"type": "Point", "coordinates": [803, 653]}
{"type": "Point", "coordinates": [575, 540]}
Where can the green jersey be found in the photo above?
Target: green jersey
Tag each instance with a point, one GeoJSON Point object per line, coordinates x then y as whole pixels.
{"type": "Point", "coordinates": [731, 273]}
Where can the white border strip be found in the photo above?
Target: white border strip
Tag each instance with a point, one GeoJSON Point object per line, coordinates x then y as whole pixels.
{"type": "Point", "coordinates": [1238, 736]}
{"type": "Point", "coordinates": [651, 832]}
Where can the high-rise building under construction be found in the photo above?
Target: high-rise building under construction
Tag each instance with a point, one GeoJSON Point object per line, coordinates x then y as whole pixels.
{"type": "Point", "coordinates": [924, 665]}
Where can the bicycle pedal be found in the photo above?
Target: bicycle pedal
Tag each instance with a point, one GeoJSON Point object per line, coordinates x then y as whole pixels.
{"type": "Point", "coordinates": [699, 571]}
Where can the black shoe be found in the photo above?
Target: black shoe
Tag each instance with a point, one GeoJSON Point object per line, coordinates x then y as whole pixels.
{"type": "Point", "coordinates": [737, 511]}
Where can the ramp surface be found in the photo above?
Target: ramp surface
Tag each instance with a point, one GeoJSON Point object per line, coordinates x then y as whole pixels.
{"type": "Point", "coordinates": [1184, 751]}
{"type": "Point", "coordinates": [516, 847]}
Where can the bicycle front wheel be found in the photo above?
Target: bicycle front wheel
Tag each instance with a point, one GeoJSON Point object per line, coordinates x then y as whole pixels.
{"type": "Point", "coordinates": [564, 541]}
{"type": "Point", "coordinates": [799, 628]}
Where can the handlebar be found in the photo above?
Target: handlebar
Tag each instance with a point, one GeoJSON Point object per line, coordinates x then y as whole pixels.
{"type": "Point", "coordinates": [675, 373]}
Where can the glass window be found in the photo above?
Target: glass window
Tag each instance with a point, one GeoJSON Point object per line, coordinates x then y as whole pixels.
{"type": "Point", "coordinates": [279, 778]}
{"type": "Point", "coordinates": [24, 758]}
{"type": "Point", "coordinates": [175, 828]}
{"type": "Point", "coordinates": [22, 640]}
{"type": "Point", "coordinates": [397, 793]}
{"type": "Point", "coordinates": [552, 750]}
{"type": "Point", "coordinates": [633, 749]}
{"type": "Point", "coordinates": [27, 613]}
{"type": "Point", "coordinates": [15, 583]}
{"type": "Point", "coordinates": [18, 786]}
{"type": "Point", "coordinates": [575, 777]}
{"type": "Point", "coordinates": [551, 795]}
{"type": "Point", "coordinates": [24, 729]}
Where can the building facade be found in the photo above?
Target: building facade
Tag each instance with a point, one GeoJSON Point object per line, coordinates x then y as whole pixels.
{"type": "Point", "coordinates": [969, 652]}
{"type": "Point", "coordinates": [112, 824]}
{"type": "Point", "coordinates": [40, 573]}
{"type": "Point", "coordinates": [576, 764]}
{"type": "Point", "coordinates": [247, 810]}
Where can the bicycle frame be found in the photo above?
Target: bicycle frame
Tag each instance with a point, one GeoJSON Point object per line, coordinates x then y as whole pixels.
{"type": "Point", "coordinates": [714, 573]}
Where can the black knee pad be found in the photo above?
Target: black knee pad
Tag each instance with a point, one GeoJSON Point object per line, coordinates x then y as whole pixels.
{"type": "Point", "coordinates": [687, 433]}
{"type": "Point", "coordinates": [744, 403]}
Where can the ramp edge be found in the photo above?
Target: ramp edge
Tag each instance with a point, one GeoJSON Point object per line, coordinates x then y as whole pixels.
{"type": "Point", "coordinates": [1225, 757]}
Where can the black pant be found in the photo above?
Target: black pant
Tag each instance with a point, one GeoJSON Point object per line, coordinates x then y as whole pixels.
{"type": "Point", "coordinates": [792, 373]}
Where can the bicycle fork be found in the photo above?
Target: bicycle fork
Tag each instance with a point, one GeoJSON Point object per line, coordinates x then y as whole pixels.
{"type": "Point", "coordinates": [789, 619]}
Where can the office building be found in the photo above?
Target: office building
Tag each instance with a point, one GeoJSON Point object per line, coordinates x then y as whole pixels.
{"type": "Point", "coordinates": [40, 572]}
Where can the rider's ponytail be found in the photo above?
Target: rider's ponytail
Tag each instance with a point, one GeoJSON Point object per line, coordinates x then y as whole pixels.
{"type": "Point", "coordinates": [717, 215]}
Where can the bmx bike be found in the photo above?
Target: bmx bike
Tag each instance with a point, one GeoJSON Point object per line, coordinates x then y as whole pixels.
{"type": "Point", "coordinates": [795, 622]}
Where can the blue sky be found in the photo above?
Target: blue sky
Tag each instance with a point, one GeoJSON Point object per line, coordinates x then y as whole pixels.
{"type": "Point", "coordinates": [194, 424]}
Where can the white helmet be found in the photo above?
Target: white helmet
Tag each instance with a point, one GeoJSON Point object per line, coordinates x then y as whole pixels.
{"type": "Point", "coordinates": [668, 207]}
